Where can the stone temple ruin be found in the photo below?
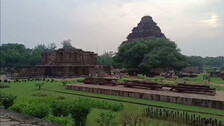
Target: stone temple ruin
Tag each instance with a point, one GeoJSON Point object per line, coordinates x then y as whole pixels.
{"type": "Point", "coordinates": [146, 28]}
{"type": "Point", "coordinates": [66, 63]}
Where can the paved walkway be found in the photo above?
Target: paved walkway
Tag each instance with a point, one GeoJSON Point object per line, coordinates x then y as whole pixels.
{"type": "Point", "coordinates": [10, 118]}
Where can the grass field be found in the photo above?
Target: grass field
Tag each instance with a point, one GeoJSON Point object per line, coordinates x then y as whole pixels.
{"type": "Point", "coordinates": [27, 90]}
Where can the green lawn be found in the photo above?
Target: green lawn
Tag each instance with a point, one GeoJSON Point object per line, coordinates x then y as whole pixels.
{"type": "Point", "coordinates": [27, 90]}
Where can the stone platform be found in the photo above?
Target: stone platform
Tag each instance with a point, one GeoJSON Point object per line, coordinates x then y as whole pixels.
{"type": "Point", "coordinates": [10, 118]}
{"type": "Point", "coordinates": [216, 101]}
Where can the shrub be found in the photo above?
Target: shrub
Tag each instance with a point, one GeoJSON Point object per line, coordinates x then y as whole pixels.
{"type": "Point", "coordinates": [67, 121]}
{"type": "Point", "coordinates": [38, 110]}
{"type": "Point", "coordinates": [124, 80]}
{"type": "Point", "coordinates": [80, 80]}
{"type": "Point", "coordinates": [79, 112]}
{"type": "Point", "coordinates": [39, 85]}
{"type": "Point", "coordinates": [40, 94]}
{"type": "Point", "coordinates": [38, 107]}
{"type": "Point", "coordinates": [5, 81]}
{"type": "Point", "coordinates": [61, 108]}
{"type": "Point", "coordinates": [106, 119]}
{"type": "Point", "coordinates": [175, 77]}
{"type": "Point", "coordinates": [7, 100]}
{"type": "Point", "coordinates": [141, 76]}
{"type": "Point", "coordinates": [19, 106]}
{"type": "Point", "coordinates": [64, 82]}
{"type": "Point", "coordinates": [133, 119]}
{"type": "Point", "coordinates": [4, 85]}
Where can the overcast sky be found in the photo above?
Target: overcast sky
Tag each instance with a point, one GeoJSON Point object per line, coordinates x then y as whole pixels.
{"type": "Point", "coordinates": [197, 26]}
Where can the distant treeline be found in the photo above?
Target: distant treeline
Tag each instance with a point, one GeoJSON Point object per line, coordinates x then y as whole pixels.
{"type": "Point", "coordinates": [13, 55]}
{"type": "Point", "coordinates": [206, 62]}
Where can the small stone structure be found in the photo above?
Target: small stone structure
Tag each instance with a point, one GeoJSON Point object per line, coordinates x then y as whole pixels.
{"type": "Point", "coordinates": [216, 101]}
{"type": "Point", "coordinates": [10, 118]}
{"type": "Point", "coordinates": [66, 63]}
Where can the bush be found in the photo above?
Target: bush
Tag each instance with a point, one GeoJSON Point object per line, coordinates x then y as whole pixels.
{"type": "Point", "coordinates": [36, 108]}
{"type": "Point", "coordinates": [39, 85]}
{"type": "Point", "coordinates": [80, 80]}
{"type": "Point", "coordinates": [61, 108]}
{"type": "Point", "coordinates": [79, 112]}
{"type": "Point", "coordinates": [40, 110]}
{"type": "Point", "coordinates": [4, 85]}
{"type": "Point", "coordinates": [67, 121]}
{"type": "Point", "coordinates": [64, 82]}
{"type": "Point", "coordinates": [106, 119]}
{"type": "Point", "coordinates": [7, 100]}
{"type": "Point", "coordinates": [19, 106]}
{"type": "Point", "coordinates": [141, 76]}
{"type": "Point", "coordinates": [133, 119]}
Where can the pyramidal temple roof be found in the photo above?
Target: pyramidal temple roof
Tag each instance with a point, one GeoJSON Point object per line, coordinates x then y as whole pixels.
{"type": "Point", "coordinates": [146, 28]}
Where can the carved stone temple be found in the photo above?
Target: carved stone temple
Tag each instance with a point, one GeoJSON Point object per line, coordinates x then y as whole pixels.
{"type": "Point", "coordinates": [145, 29]}
{"type": "Point", "coordinates": [66, 63]}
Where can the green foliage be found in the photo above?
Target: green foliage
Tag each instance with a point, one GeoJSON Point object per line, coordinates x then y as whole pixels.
{"type": "Point", "coordinates": [207, 62]}
{"type": "Point", "coordinates": [4, 85]}
{"type": "Point", "coordinates": [14, 55]}
{"type": "Point", "coordinates": [39, 85]}
{"type": "Point", "coordinates": [7, 100]}
{"type": "Point", "coordinates": [133, 119]}
{"type": "Point", "coordinates": [106, 59]}
{"type": "Point", "coordinates": [40, 94]}
{"type": "Point", "coordinates": [64, 82]}
{"type": "Point", "coordinates": [100, 104]}
{"type": "Point", "coordinates": [37, 108]}
{"type": "Point", "coordinates": [67, 44]}
{"type": "Point", "coordinates": [80, 80]}
{"type": "Point", "coordinates": [61, 108]}
{"type": "Point", "coordinates": [124, 80]}
{"type": "Point", "coordinates": [67, 121]}
{"type": "Point", "coordinates": [106, 119]}
{"type": "Point", "coordinates": [79, 112]}
{"type": "Point", "coordinates": [179, 116]}
{"type": "Point", "coordinates": [141, 76]}
{"type": "Point", "coordinates": [151, 53]}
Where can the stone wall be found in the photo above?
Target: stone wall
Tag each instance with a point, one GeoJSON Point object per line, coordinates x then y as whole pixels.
{"type": "Point", "coordinates": [69, 57]}
{"type": "Point", "coordinates": [158, 97]}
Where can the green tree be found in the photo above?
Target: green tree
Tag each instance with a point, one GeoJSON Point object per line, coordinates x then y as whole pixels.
{"type": "Point", "coordinates": [195, 61]}
{"type": "Point", "coordinates": [151, 53]}
{"type": "Point", "coordinates": [106, 59]}
{"type": "Point", "coordinates": [51, 47]}
{"type": "Point", "coordinates": [67, 44]}
{"type": "Point", "coordinates": [39, 85]}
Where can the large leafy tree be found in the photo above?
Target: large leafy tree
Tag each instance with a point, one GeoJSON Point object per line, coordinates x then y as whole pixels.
{"type": "Point", "coordinates": [150, 53]}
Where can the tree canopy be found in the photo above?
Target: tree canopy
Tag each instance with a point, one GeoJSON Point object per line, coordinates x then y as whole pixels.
{"type": "Point", "coordinates": [13, 55]}
{"type": "Point", "coordinates": [106, 59]}
{"type": "Point", "coordinates": [151, 53]}
{"type": "Point", "coordinates": [67, 44]}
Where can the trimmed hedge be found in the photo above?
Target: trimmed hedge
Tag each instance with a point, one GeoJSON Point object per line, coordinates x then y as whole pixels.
{"type": "Point", "coordinates": [7, 100]}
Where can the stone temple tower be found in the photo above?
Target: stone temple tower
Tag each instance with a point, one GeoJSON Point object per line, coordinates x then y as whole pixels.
{"type": "Point", "coordinates": [146, 28]}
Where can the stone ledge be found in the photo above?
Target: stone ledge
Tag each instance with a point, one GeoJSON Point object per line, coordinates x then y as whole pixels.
{"type": "Point", "coordinates": [8, 118]}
